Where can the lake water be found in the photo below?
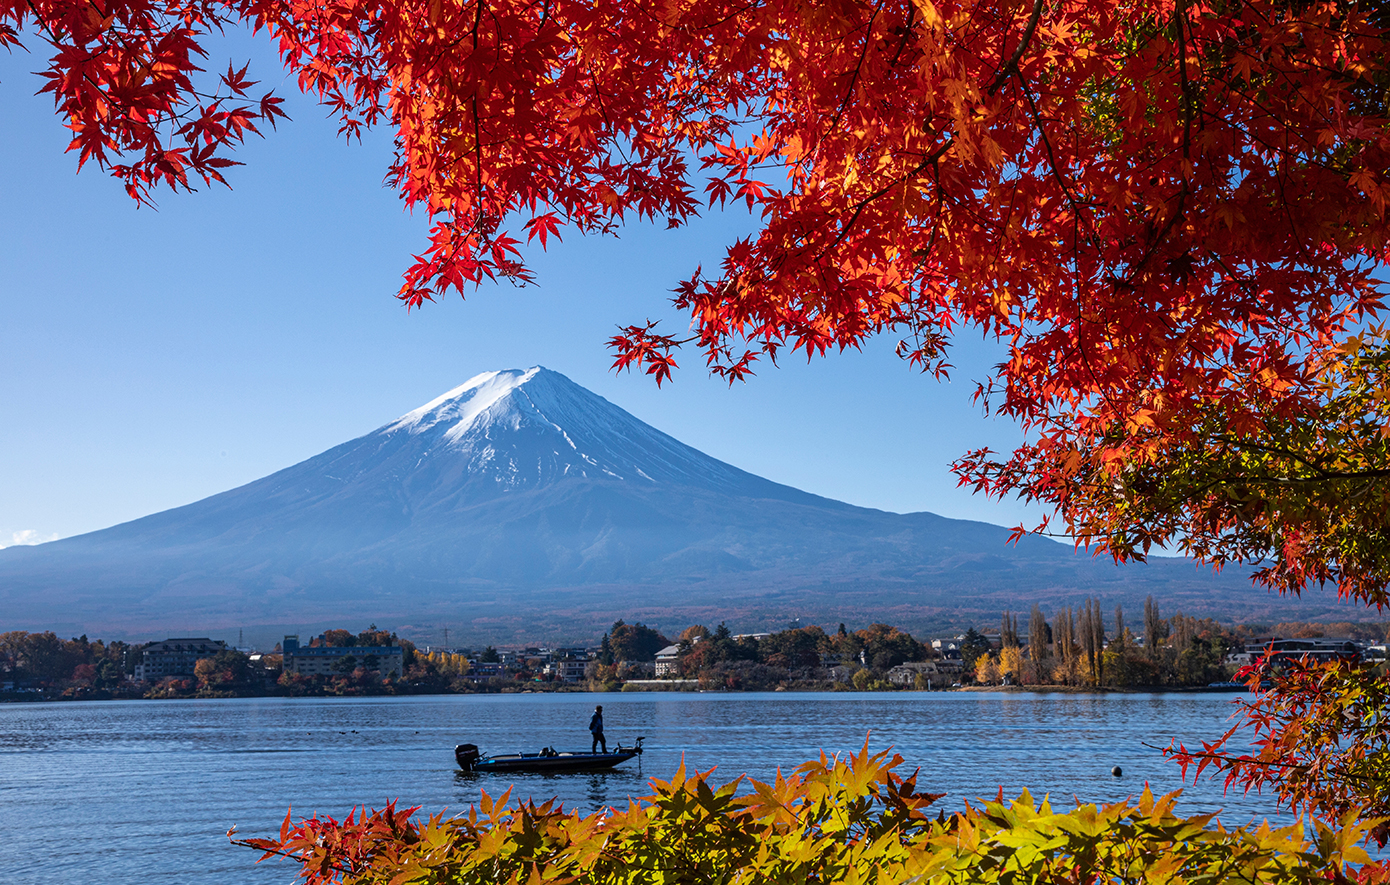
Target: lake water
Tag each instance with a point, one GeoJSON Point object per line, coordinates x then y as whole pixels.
{"type": "Point", "coordinates": [143, 791]}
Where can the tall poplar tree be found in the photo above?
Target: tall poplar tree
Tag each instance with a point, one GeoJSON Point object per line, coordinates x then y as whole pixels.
{"type": "Point", "coordinates": [1008, 630]}
{"type": "Point", "coordinates": [1038, 652]}
{"type": "Point", "coordinates": [1155, 630]}
{"type": "Point", "coordinates": [1093, 640]}
{"type": "Point", "coordinates": [1088, 641]}
{"type": "Point", "coordinates": [1064, 642]}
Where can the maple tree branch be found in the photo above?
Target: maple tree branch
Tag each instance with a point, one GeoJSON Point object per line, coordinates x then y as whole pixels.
{"type": "Point", "coordinates": [1052, 164]}
{"type": "Point", "coordinates": [907, 32]}
{"type": "Point", "coordinates": [1158, 238]}
{"type": "Point", "coordinates": [1054, 167]}
{"type": "Point", "coordinates": [293, 855]}
{"type": "Point", "coordinates": [1233, 762]}
{"type": "Point", "coordinates": [929, 160]}
{"type": "Point", "coordinates": [1180, 17]}
{"type": "Point", "coordinates": [1011, 66]}
{"type": "Point", "coordinates": [477, 124]}
{"type": "Point", "coordinates": [858, 67]}
{"type": "Point", "coordinates": [1273, 450]}
{"type": "Point", "coordinates": [1323, 476]}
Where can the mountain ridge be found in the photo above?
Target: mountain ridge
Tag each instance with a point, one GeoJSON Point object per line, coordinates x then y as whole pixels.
{"type": "Point", "coordinates": [521, 500]}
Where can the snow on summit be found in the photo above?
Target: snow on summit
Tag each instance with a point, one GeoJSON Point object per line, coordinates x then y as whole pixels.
{"type": "Point", "coordinates": [464, 403]}
{"type": "Point", "coordinates": [528, 428]}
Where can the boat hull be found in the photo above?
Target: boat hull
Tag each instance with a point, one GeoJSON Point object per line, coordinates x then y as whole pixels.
{"type": "Point", "coordinates": [542, 763]}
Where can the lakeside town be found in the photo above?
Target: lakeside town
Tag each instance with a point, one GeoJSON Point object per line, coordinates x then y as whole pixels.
{"type": "Point", "coordinates": [1074, 649]}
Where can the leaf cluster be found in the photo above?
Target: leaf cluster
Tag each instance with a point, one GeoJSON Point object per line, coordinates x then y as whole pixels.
{"type": "Point", "coordinates": [1302, 490]}
{"type": "Point", "coordinates": [843, 820]}
{"type": "Point", "coordinates": [1319, 740]}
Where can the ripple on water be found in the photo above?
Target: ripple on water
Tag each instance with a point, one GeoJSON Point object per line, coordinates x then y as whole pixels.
{"type": "Point", "coordinates": [119, 791]}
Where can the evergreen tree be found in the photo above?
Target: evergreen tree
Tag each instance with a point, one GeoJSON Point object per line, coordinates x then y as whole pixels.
{"type": "Point", "coordinates": [1098, 626]}
{"type": "Point", "coordinates": [972, 646]}
{"type": "Point", "coordinates": [1088, 640]}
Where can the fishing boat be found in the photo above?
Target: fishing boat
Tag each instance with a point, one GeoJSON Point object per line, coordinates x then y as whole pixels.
{"type": "Point", "coordinates": [547, 761]}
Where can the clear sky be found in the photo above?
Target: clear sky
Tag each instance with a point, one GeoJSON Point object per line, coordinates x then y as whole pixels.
{"type": "Point", "coordinates": [152, 358]}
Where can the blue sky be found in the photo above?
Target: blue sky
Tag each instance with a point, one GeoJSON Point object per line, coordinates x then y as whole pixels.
{"type": "Point", "coordinates": [152, 358]}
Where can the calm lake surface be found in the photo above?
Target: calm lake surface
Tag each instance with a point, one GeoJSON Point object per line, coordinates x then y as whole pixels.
{"type": "Point", "coordinates": [143, 791]}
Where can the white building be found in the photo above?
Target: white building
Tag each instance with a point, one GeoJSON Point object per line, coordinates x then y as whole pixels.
{"type": "Point", "coordinates": [668, 665]}
{"type": "Point", "coordinates": [567, 671]}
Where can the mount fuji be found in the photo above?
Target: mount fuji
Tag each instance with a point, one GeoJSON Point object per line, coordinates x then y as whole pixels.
{"type": "Point", "coordinates": [522, 506]}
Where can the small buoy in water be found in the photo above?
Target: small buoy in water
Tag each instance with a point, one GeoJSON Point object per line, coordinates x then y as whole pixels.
{"type": "Point", "coordinates": [1117, 771]}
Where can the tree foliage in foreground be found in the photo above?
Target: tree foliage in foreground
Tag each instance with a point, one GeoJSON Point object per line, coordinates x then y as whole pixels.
{"type": "Point", "coordinates": [834, 820]}
{"type": "Point", "coordinates": [1320, 740]}
{"type": "Point", "coordinates": [1171, 212]}
{"type": "Point", "coordinates": [1302, 492]}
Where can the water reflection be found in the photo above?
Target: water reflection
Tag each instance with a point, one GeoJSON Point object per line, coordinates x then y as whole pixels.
{"type": "Point", "coordinates": [598, 789]}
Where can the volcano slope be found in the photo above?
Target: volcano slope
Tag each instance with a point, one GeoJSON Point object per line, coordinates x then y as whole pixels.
{"type": "Point", "coordinates": [521, 505]}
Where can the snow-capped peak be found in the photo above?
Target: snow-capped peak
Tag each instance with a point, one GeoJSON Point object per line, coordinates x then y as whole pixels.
{"type": "Point", "coordinates": [516, 429]}
{"type": "Point", "coordinates": [462, 405]}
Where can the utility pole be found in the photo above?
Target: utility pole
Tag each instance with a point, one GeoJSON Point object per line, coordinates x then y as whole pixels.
{"type": "Point", "coordinates": [446, 637]}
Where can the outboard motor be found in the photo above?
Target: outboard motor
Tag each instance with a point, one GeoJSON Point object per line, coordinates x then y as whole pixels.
{"type": "Point", "coordinates": [467, 755]}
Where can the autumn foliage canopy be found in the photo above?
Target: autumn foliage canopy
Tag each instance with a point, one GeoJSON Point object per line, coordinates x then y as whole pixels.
{"type": "Point", "coordinates": [1171, 212]}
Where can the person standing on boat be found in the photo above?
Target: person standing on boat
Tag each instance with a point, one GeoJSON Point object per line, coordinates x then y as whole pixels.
{"type": "Point", "coordinates": [596, 729]}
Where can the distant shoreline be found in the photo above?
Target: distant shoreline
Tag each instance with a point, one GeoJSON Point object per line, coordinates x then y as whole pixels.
{"type": "Point", "coordinates": [1104, 689]}
{"type": "Point", "coordinates": [25, 698]}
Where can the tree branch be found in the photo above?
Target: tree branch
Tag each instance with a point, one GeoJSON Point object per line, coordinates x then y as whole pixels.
{"type": "Point", "coordinates": [1011, 66]}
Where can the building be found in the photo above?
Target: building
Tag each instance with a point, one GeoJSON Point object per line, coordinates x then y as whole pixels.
{"type": "Point", "coordinates": [566, 671]}
{"type": "Point", "coordinates": [839, 673]}
{"type": "Point", "coordinates": [1280, 649]}
{"type": "Point", "coordinates": [576, 652]}
{"type": "Point", "coordinates": [175, 658]}
{"type": "Point", "coordinates": [949, 647]}
{"type": "Point", "coordinates": [906, 674]}
{"type": "Point", "coordinates": [480, 670]}
{"type": "Point", "coordinates": [1315, 649]}
{"type": "Point", "coordinates": [950, 666]}
{"type": "Point", "coordinates": [324, 660]}
{"type": "Point", "coordinates": [668, 665]}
